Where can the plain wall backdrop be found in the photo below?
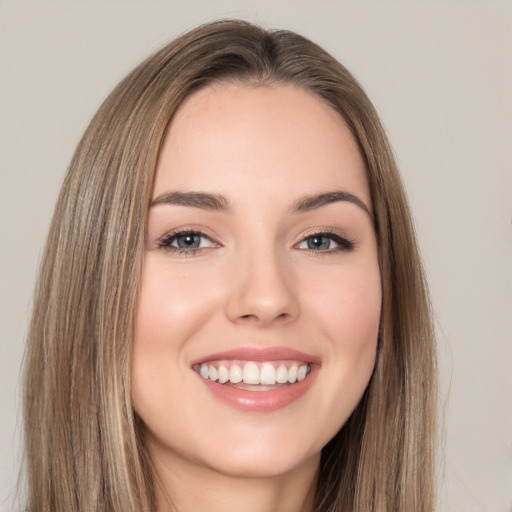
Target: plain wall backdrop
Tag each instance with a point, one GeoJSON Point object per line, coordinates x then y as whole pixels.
{"type": "Point", "coordinates": [440, 75]}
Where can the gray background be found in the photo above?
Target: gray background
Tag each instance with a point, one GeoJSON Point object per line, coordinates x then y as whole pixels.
{"type": "Point", "coordinates": [440, 75]}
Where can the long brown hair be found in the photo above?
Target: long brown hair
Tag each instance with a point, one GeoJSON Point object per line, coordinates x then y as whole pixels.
{"type": "Point", "coordinates": [84, 449]}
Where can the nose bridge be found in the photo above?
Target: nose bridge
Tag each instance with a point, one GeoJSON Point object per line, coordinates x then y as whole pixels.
{"type": "Point", "coordinates": [263, 285]}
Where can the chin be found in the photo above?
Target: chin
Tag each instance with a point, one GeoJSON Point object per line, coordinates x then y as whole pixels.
{"type": "Point", "coordinates": [263, 466]}
{"type": "Point", "coordinates": [261, 453]}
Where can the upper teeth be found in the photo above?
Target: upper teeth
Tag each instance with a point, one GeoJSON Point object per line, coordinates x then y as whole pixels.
{"type": "Point", "coordinates": [255, 373]}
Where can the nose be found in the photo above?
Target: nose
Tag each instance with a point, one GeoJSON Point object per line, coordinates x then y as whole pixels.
{"type": "Point", "coordinates": [262, 290]}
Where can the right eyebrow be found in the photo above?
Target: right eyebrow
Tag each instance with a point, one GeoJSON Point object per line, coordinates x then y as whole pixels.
{"type": "Point", "coordinates": [202, 200]}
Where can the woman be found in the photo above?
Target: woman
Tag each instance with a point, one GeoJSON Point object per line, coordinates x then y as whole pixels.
{"type": "Point", "coordinates": [231, 311]}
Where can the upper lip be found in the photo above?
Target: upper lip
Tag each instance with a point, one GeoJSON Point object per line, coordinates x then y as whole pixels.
{"type": "Point", "coordinates": [259, 354]}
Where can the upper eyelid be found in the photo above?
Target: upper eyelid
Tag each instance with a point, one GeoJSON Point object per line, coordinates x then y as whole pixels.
{"type": "Point", "coordinates": [177, 234]}
{"type": "Point", "coordinates": [319, 231]}
{"type": "Point", "coordinates": [201, 231]}
{"type": "Point", "coordinates": [344, 241]}
{"type": "Point", "coordinates": [187, 230]}
{"type": "Point", "coordinates": [166, 242]}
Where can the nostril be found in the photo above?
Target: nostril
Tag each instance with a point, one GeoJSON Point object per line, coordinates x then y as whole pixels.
{"type": "Point", "coordinates": [261, 319]}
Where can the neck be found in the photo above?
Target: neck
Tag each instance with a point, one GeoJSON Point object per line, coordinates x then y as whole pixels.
{"type": "Point", "coordinates": [185, 487]}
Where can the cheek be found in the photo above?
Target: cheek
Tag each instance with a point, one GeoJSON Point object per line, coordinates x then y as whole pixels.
{"type": "Point", "coordinates": [172, 306]}
{"type": "Point", "coordinates": [347, 307]}
{"type": "Point", "coordinates": [354, 324]}
{"type": "Point", "coordinates": [347, 302]}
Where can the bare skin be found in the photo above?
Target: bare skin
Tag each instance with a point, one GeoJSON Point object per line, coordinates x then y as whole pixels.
{"type": "Point", "coordinates": [260, 241]}
{"type": "Point", "coordinates": [293, 492]}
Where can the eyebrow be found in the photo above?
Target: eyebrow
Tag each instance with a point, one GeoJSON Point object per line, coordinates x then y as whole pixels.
{"type": "Point", "coordinates": [308, 203]}
{"type": "Point", "coordinates": [203, 200]}
{"type": "Point", "coordinates": [217, 202]}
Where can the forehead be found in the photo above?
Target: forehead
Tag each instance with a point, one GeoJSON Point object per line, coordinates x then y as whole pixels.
{"type": "Point", "coordinates": [266, 137]}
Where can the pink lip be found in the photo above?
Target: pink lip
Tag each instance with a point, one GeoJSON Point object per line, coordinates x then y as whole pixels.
{"type": "Point", "coordinates": [260, 401]}
{"type": "Point", "coordinates": [260, 354]}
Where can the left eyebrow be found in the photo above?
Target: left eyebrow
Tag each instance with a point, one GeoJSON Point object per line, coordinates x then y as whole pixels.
{"type": "Point", "coordinates": [308, 203]}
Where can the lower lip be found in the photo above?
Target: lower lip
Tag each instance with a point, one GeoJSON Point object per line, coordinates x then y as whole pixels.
{"type": "Point", "coordinates": [260, 401]}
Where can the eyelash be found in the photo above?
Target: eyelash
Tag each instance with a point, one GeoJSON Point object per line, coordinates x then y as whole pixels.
{"type": "Point", "coordinates": [167, 240]}
{"type": "Point", "coordinates": [344, 244]}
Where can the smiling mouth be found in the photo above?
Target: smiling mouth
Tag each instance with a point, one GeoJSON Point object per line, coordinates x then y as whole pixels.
{"type": "Point", "coordinates": [254, 375]}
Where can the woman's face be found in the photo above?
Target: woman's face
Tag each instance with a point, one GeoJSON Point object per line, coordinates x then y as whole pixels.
{"type": "Point", "coordinates": [261, 265]}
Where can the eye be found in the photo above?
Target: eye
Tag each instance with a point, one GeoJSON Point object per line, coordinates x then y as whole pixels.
{"type": "Point", "coordinates": [186, 241]}
{"type": "Point", "coordinates": [326, 242]}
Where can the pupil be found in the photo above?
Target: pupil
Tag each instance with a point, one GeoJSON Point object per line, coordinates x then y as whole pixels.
{"type": "Point", "coordinates": [318, 242]}
{"type": "Point", "coordinates": [188, 241]}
